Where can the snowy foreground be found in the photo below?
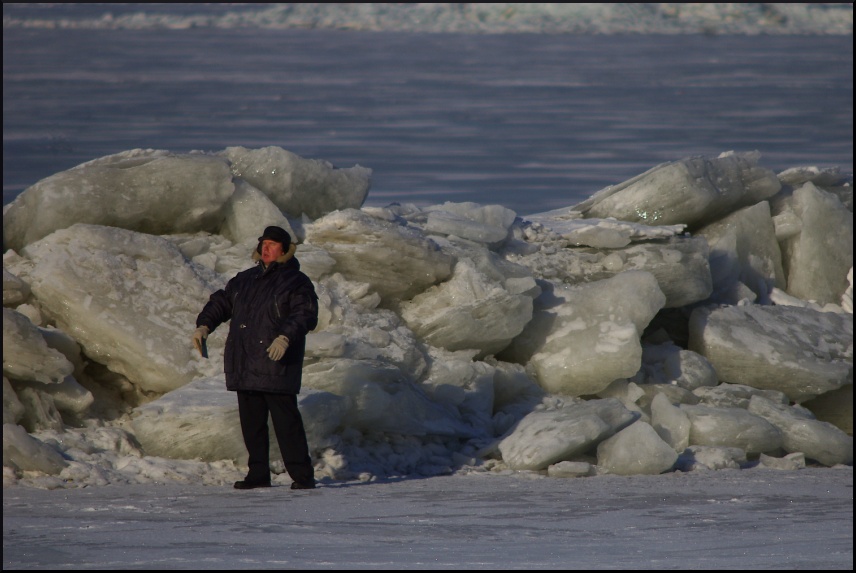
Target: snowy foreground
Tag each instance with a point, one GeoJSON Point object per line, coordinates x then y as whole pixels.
{"type": "Point", "coordinates": [697, 317]}
{"type": "Point", "coordinates": [744, 520]}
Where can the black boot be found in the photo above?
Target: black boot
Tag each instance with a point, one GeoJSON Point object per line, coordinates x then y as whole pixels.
{"type": "Point", "coordinates": [251, 484]}
{"type": "Point", "coordinates": [303, 485]}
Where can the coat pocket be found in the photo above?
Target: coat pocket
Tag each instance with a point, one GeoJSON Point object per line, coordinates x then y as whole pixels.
{"type": "Point", "coordinates": [228, 356]}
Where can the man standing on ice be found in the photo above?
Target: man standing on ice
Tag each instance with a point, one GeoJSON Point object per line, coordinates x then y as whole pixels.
{"type": "Point", "coordinates": [272, 306]}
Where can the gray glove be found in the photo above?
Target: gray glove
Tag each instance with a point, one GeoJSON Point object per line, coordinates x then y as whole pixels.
{"type": "Point", "coordinates": [278, 347]}
{"type": "Point", "coordinates": [199, 337]}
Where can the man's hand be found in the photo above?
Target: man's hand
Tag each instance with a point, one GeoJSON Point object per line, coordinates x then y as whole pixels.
{"type": "Point", "coordinates": [278, 347]}
{"type": "Point", "coordinates": [199, 336]}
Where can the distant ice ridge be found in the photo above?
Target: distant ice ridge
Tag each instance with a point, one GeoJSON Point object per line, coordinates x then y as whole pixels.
{"type": "Point", "coordinates": [585, 18]}
{"type": "Point", "coordinates": [695, 317]}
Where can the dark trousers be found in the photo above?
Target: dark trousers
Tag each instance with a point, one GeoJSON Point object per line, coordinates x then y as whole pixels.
{"type": "Point", "coordinates": [253, 408]}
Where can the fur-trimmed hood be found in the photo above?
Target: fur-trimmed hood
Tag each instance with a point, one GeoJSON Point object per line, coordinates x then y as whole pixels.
{"type": "Point", "coordinates": [283, 258]}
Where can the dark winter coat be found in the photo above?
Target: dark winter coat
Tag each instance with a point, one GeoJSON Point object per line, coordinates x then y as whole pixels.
{"type": "Point", "coordinates": [263, 303]}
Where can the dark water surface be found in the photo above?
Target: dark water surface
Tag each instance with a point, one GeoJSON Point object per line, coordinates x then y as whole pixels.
{"type": "Point", "coordinates": [533, 122]}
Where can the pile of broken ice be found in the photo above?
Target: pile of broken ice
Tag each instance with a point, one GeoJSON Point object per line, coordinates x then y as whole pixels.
{"type": "Point", "coordinates": [695, 317]}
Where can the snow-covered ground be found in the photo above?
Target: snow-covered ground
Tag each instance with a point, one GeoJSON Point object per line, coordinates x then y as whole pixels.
{"type": "Point", "coordinates": [732, 519]}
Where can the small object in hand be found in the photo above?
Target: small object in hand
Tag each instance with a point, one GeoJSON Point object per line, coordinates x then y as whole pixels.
{"type": "Point", "coordinates": [200, 340]}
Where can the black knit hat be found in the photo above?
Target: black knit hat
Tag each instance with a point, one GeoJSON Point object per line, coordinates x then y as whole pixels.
{"type": "Point", "coordinates": [277, 234]}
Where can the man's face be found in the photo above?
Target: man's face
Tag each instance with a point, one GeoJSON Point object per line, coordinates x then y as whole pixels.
{"type": "Point", "coordinates": [270, 251]}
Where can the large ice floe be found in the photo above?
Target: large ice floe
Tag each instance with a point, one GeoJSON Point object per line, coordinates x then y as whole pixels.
{"type": "Point", "coordinates": [694, 318]}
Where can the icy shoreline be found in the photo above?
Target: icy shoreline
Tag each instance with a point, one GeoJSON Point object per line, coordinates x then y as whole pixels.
{"type": "Point", "coordinates": [592, 18]}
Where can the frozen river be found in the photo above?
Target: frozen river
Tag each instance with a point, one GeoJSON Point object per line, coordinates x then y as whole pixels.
{"type": "Point", "coordinates": [532, 122]}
